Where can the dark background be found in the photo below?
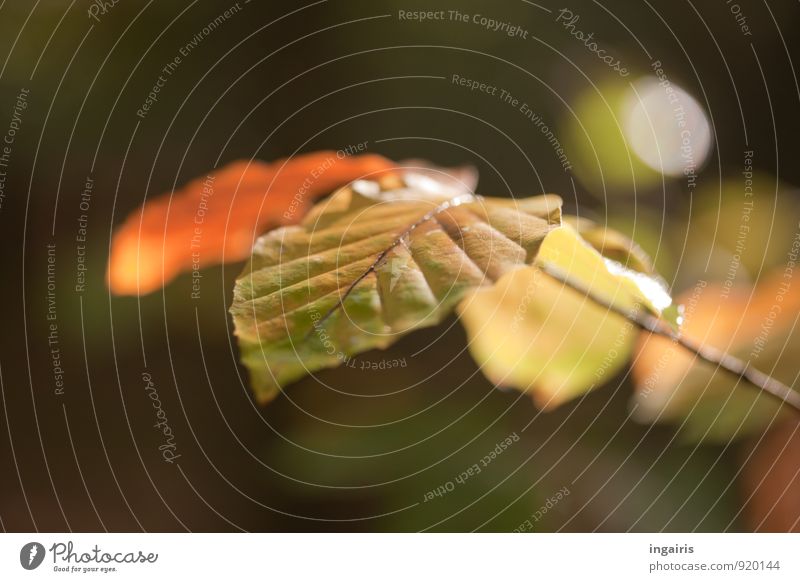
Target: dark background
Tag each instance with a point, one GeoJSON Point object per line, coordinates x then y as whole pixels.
{"type": "Point", "coordinates": [269, 83]}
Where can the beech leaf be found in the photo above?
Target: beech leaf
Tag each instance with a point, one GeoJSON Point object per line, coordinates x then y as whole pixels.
{"type": "Point", "coordinates": [216, 218]}
{"type": "Point", "coordinates": [533, 333]}
{"type": "Point", "coordinates": [372, 263]}
{"type": "Point", "coordinates": [382, 258]}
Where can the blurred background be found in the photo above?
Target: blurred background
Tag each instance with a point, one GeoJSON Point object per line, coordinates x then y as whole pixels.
{"type": "Point", "coordinates": [701, 125]}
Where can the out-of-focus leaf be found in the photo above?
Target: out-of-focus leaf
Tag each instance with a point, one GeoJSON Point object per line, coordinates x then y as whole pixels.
{"type": "Point", "coordinates": [771, 479]}
{"type": "Point", "coordinates": [532, 332]}
{"type": "Point", "coordinates": [370, 264]}
{"type": "Point", "coordinates": [756, 324]}
{"type": "Point", "coordinates": [739, 234]}
{"type": "Point", "coordinates": [216, 218]}
{"type": "Point", "coordinates": [600, 150]}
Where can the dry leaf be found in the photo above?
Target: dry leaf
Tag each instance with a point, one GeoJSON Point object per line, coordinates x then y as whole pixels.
{"type": "Point", "coordinates": [370, 264]}
{"type": "Point", "coordinates": [771, 480]}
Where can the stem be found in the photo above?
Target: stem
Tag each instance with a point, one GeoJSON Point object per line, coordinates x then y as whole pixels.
{"type": "Point", "coordinates": [657, 326]}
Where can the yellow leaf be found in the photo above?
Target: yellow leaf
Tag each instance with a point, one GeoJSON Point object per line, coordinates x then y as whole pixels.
{"type": "Point", "coordinates": [532, 332]}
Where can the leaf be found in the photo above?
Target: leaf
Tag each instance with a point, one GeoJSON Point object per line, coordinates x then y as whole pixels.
{"type": "Point", "coordinates": [612, 245]}
{"type": "Point", "coordinates": [216, 218]}
{"type": "Point", "coordinates": [770, 479]}
{"type": "Point", "coordinates": [532, 332]}
{"type": "Point", "coordinates": [372, 263]}
{"type": "Point", "coordinates": [378, 260]}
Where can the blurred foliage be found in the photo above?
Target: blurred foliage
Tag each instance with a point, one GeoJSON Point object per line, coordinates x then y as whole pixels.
{"type": "Point", "coordinates": [367, 461]}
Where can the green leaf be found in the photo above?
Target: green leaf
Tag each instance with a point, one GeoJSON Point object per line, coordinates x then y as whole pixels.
{"type": "Point", "coordinates": [372, 263]}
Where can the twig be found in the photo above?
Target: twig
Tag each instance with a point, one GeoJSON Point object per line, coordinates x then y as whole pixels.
{"type": "Point", "coordinates": [657, 326]}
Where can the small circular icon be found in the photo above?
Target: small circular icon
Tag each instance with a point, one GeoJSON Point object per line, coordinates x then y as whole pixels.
{"type": "Point", "coordinates": [31, 555]}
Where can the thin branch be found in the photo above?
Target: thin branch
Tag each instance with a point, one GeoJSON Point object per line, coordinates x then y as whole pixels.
{"type": "Point", "coordinates": [711, 355]}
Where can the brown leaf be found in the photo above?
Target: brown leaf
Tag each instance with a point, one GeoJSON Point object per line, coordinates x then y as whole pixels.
{"type": "Point", "coordinates": [217, 218]}
{"type": "Point", "coordinates": [373, 262]}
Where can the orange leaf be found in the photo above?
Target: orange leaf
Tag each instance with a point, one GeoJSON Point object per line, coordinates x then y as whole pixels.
{"type": "Point", "coordinates": [217, 218]}
{"type": "Point", "coordinates": [756, 324]}
{"type": "Point", "coordinates": [771, 480]}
